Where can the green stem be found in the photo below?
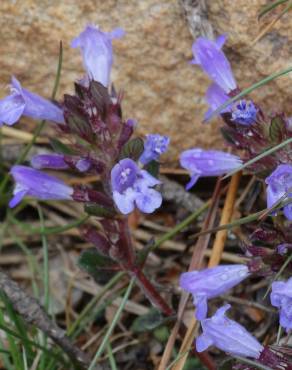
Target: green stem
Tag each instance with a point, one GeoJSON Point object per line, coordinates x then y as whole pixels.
{"type": "Point", "coordinates": [111, 357]}
{"type": "Point", "coordinates": [260, 156]}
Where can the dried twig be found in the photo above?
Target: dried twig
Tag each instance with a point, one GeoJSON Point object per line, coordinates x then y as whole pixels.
{"type": "Point", "coordinates": [34, 314]}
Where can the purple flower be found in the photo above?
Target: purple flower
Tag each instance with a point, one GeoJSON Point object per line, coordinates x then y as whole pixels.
{"type": "Point", "coordinates": [54, 161]}
{"type": "Point", "coordinates": [97, 53]}
{"type": "Point", "coordinates": [60, 162]}
{"type": "Point", "coordinates": [83, 164]}
{"type": "Point", "coordinates": [281, 297]}
{"type": "Point", "coordinates": [154, 146]}
{"type": "Point", "coordinates": [23, 102]}
{"type": "Point", "coordinates": [227, 335]}
{"type": "Point", "coordinates": [279, 186]}
{"type": "Point", "coordinates": [201, 162]}
{"type": "Point", "coordinates": [210, 57]}
{"type": "Point", "coordinates": [132, 186]}
{"type": "Point", "coordinates": [215, 97]}
{"type": "Point", "coordinates": [37, 184]}
{"type": "Point", "coordinates": [283, 249]}
{"type": "Point", "coordinates": [210, 283]}
{"type": "Point", "coordinates": [244, 112]}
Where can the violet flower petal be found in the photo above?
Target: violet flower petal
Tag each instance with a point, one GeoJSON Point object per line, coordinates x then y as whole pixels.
{"type": "Point", "coordinates": [210, 283]}
{"type": "Point", "coordinates": [279, 185]}
{"type": "Point", "coordinates": [215, 97]}
{"type": "Point", "coordinates": [125, 201]}
{"type": "Point", "coordinates": [132, 186]}
{"type": "Point", "coordinates": [30, 181]}
{"type": "Point", "coordinates": [228, 335]}
{"type": "Point", "coordinates": [37, 107]}
{"type": "Point", "coordinates": [154, 146]}
{"type": "Point", "coordinates": [281, 297]}
{"type": "Point", "coordinates": [208, 55]}
{"type": "Point", "coordinates": [148, 201]}
{"type": "Point", "coordinates": [97, 53]}
{"type": "Point", "coordinates": [54, 161]}
{"type": "Point", "coordinates": [11, 109]}
{"type": "Point", "coordinates": [201, 162]}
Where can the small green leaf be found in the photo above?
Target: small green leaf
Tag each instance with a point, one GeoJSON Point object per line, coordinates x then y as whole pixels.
{"type": "Point", "coordinates": [227, 135]}
{"type": "Point", "coordinates": [227, 364]}
{"type": "Point", "coordinates": [61, 148]}
{"type": "Point", "coordinates": [95, 209]}
{"type": "Point", "coordinates": [153, 168]}
{"type": "Point", "coordinates": [276, 129]}
{"type": "Point", "coordinates": [150, 321]}
{"type": "Point", "coordinates": [133, 149]}
{"type": "Point", "coordinates": [95, 264]}
{"type": "Point", "coordinates": [193, 364]}
{"type": "Point", "coordinates": [161, 334]}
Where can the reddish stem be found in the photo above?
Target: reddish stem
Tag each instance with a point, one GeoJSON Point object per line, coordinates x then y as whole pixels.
{"type": "Point", "coordinates": [150, 292]}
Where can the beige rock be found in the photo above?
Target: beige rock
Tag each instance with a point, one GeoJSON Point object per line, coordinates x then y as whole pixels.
{"type": "Point", "coordinates": [162, 91]}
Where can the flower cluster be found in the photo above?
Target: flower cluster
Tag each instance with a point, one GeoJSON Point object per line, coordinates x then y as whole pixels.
{"type": "Point", "coordinates": [93, 115]}
{"type": "Point", "coordinates": [218, 330]}
{"type": "Point", "coordinates": [246, 128]}
{"type": "Point", "coordinates": [101, 144]}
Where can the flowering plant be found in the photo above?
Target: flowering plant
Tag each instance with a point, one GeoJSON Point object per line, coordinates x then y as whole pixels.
{"type": "Point", "coordinates": [100, 142]}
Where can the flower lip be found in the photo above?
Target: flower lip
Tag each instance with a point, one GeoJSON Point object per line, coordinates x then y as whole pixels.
{"type": "Point", "coordinates": [124, 175]}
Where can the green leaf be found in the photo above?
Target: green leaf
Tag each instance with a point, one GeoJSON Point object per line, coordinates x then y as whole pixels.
{"type": "Point", "coordinates": [276, 128]}
{"type": "Point", "coordinates": [133, 149]}
{"type": "Point", "coordinates": [61, 148]}
{"type": "Point", "coordinates": [153, 168]}
{"type": "Point", "coordinates": [148, 322]}
{"type": "Point", "coordinates": [162, 334]}
{"type": "Point", "coordinates": [95, 264]}
{"type": "Point", "coordinates": [94, 209]}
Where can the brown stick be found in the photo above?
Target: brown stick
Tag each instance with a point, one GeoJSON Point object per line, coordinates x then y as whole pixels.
{"type": "Point", "coordinates": [34, 314]}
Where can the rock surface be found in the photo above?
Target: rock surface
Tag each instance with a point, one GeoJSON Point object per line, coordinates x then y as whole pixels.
{"type": "Point", "coordinates": [162, 91]}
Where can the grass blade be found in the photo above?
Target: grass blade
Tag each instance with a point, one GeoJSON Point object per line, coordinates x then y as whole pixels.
{"type": "Point", "coordinates": [244, 92]}
{"type": "Point", "coordinates": [267, 8]}
{"type": "Point", "coordinates": [112, 326]}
